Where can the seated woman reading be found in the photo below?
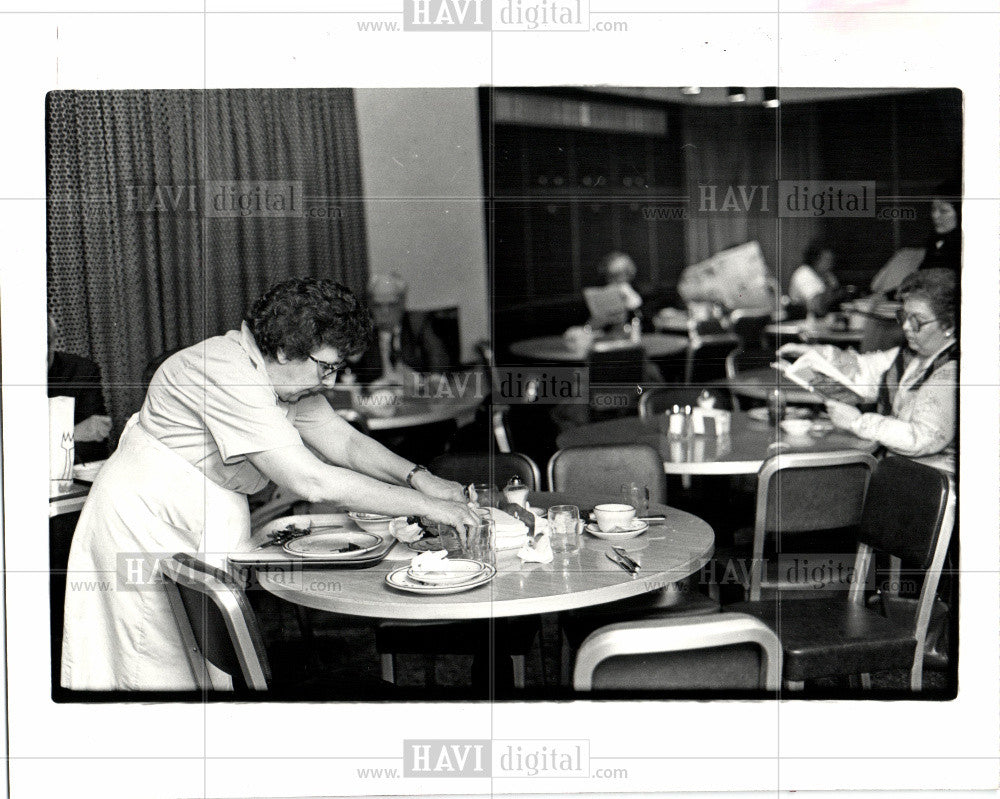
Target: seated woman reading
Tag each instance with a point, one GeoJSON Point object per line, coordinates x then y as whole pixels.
{"type": "Point", "coordinates": [915, 386]}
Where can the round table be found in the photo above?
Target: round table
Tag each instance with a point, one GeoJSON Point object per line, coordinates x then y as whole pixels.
{"type": "Point", "coordinates": [556, 348]}
{"type": "Point", "coordinates": [816, 333]}
{"type": "Point", "coordinates": [410, 411]}
{"type": "Point", "coordinates": [742, 451]}
{"type": "Point", "coordinates": [757, 384]}
{"type": "Point", "coordinates": [668, 552]}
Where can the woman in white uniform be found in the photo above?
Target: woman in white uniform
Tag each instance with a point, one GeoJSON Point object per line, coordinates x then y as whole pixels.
{"type": "Point", "coordinates": [220, 419]}
{"type": "Point", "coordinates": [916, 386]}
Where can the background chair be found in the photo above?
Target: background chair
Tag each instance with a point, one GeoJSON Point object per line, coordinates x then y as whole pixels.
{"type": "Point", "coordinates": [613, 375]}
{"type": "Point", "coordinates": [745, 359]}
{"type": "Point", "coordinates": [216, 623]}
{"type": "Point", "coordinates": [494, 468]}
{"type": "Point", "coordinates": [603, 468]}
{"type": "Point", "coordinates": [803, 494]}
{"type": "Point", "coordinates": [728, 651]}
{"type": "Point", "coordinates": [705, 359]}
{"type": "Point", "coordinates": [909, 513]}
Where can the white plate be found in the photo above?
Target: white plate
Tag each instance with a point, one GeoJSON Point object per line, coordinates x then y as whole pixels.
{"type": "Point", "coordinates": [326, 545]}
{"type": "Point", "coordinates": [399, 580]}
{"type": "Point", "coordinates": [460, 570]}
{"type": "Point", "coordinates": [634, 530]}
{"type": "Point", "coordinates": [87, 472]}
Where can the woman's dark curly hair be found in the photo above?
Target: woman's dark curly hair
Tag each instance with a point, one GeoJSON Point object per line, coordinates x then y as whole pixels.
{"type": "Point", "coordinates": [939, 287]}
{"type": "Point", "coordinates": [302, 314]}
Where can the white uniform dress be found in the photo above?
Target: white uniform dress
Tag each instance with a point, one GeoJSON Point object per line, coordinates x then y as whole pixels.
{"type": "Point", "coordinates": [176, 483]}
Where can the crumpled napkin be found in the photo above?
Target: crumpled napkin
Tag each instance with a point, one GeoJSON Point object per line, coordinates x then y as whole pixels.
{"type": "Point", "coordinates": [539, 552]}
{"type": "Point", "coordinates": [407, 533]}
{"type": "Point", "coordinates": [430, 561]}
{"type": "Point", "coordinates": [509, 531]}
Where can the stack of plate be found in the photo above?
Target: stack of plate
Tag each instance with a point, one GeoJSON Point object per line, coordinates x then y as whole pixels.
{"type": "Point", "coordinates": [454, 576]}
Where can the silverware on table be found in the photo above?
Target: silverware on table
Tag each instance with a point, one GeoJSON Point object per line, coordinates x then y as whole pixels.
{"type": "Point", "coordinates": [625, 557]}
{"type": "Point", "coordinates": [620, 563]}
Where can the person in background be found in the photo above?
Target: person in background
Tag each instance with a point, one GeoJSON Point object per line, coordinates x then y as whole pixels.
{"type": "Point", "coordinates": [618, 269]}
{"type": "Point", "coordinates": [944, 245]}
{"type": "Point", "coordinates": [814, 284]}
{"type": "Point", "coordinates": [219, 420]}
{"type": "Point", "coordinates": [80, 378]}
{"type": "Point", "coordinates": [400, 349]}
{"type": "Point", "coordinates": [915, 386]}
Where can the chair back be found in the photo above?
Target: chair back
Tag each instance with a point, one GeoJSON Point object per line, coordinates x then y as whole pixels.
{"type": "Point", "coordinates": [807, 492]}
{"type": "Point", "coordinates": [706, 357]}
{"type": "Point", "coordinates": [216, 622]}
{"type": "Point", "coordinates": [494, 468]}
{"type": "Point", "coordinates": [718, 651]}
{"type": "Point", "coordinates": [603, 468]}
{"type": "Point", "coordinates": [905, 510]}
{"type": "Point", "coordinates": [749, 328]}
{"type": "Point", "coordinates": [657, 401]}
{"type": "Point", "coordinates": [613, 376]}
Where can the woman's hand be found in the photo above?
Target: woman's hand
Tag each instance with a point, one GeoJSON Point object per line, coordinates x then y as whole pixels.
{"type": "Point", "coordinates": [793, 349]}
{"type": "Point", "coordinates": [454, 514]}
{"type": "Point", "coordinates": [438, 488]}
{"type": "Point", "coordinates": [842, 415]}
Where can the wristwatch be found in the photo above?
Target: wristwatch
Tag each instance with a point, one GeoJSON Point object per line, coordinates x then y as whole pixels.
{"type": "Point", "coordinates": [412, 474]}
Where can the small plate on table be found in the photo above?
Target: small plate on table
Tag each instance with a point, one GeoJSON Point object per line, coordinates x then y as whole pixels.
{"type": "Point", "coordinates": [632, 530]}
{"type": "Point", "coordinates": [332, 545]}
{"type": "Point", "coordinates": [458, 571]}
{"type": "Point", "coordinates": [402, 581]}
{"type": "Point", "coordinates": [791, 412]}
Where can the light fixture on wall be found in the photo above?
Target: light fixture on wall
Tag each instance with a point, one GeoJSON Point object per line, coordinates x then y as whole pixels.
{"type": "Point", "coordinates": [737, 94]}
{"type": "Point", "coordinates": [690, 90]}
{"type": "Point", "coordinates": [771, 97]}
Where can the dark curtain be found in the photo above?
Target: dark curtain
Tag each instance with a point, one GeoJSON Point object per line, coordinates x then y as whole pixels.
{"type": "Point", "coordinates": [740, 146]}
{"type": "Point", "coordinates": [140, 262]}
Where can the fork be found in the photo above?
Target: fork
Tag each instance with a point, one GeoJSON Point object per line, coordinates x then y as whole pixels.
{"type": "Point", "coordinates": [625, 557]}
{"type": "Point", "coordinates": [67, 445]}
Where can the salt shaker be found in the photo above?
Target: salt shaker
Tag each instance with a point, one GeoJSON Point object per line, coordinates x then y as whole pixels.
{"type": "Point", "coordinates": [675, 422]}
{"type": "Point", "coordinates": [516, 492]}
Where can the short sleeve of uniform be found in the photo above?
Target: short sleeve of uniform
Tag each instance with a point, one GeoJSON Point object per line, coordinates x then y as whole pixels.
{"type": "Point", "coordinates": [241, 410]}
{"type": "Point", "coordinates": [312, 412]}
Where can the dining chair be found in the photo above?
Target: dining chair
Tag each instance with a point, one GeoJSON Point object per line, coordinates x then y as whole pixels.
{"type": "Point", "coordinates": [745, 359]}
{"type": "Point", "coordinates": [656, 401]}
{"type": "Point", "coordinates": [800, 496]}
{"type": "Point", "coordinates": [495, 468]}
{"type": "Point", "coordinates": [909, 513]}
{"type": "Point", "coordinates": [216, 623]}
{"type": "Point", "coordinates": [603, 468]}
{"type": "Point", "coordinates": [749, 326]}
{"type": "Point", "coordinates": [706, 353]}
{"type": "Point", "coordinates": [613, 375]}
{"type": "Point", "coordinates": [729, 651]}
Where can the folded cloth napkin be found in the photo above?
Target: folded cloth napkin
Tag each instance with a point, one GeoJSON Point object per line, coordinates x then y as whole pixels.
{"type": "Point", "coordinates": [407, 533]}
{"type": "Point", "coordinates": [430, 562]}
{"type": "Point", "coordinates": [539, 552]}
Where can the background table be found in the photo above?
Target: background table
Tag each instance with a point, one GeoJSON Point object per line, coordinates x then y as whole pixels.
{"type": "Point", "coordinates": [411, 411]}
{"type": "Point", "coordinates": [555, 348]}
{"type": "Point", "coordinates": [819, 332]}
{"type": "Point", "coordinates": [757, 384]}
{"type": "Point", "coordinates": [742, 451]}
{"type": "Point", "coordinates": [667, 553]}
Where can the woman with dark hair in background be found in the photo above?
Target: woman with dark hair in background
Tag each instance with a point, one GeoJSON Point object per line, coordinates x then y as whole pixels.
{"type": "Point", "coordinates": [220, 419]}
{"type": "Point", "coordinates": [944, 246]}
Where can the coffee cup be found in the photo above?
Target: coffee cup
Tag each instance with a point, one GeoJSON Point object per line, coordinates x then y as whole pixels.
{"type": "Point", "coordinates": [613, 515]}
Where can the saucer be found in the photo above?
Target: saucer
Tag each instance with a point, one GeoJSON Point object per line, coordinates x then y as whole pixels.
{"type": "Point", "coordinates": [400, 580]}
{"type": "Point", "coordinates": [633, 530]}
{"type": "Point", "coordinates": [460, 570]}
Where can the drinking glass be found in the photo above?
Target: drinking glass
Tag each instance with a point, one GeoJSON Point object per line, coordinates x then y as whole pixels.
{"type": "Point", "coordinates": [636, 495]}
{"type": "Point", "coordinates": [486, 496]}
{"type": "Point", "coordinates": [476, 543]}
{"type": "Point", "coordinates": [564, 527]}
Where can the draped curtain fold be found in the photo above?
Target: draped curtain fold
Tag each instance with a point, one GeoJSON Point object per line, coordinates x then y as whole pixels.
{"type": "Point", "coordinates": [741, 146]}
{"type": "Point", "coordinates": [139, 263]}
